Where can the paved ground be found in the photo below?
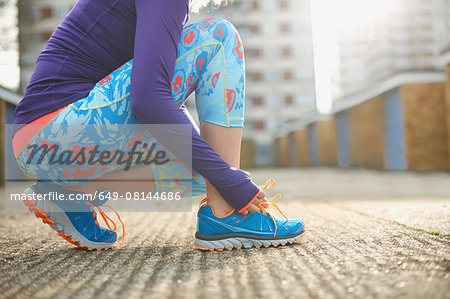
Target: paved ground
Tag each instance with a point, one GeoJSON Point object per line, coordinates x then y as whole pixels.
{"type": "Point", "coordinates": [370, 235]}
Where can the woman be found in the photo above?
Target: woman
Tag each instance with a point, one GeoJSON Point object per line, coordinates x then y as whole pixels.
{"type": "Point", "coordinates": [132, 62]}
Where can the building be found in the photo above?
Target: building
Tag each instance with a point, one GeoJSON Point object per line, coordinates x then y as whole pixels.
{"type": "Point", "coordinates": [37, 21]}
{"type": "Point", "coordinates": [391, 92]}
{"type": "Point", "coordinates": [277, 38]}
{"type": "Point", "coordinates": [405, 38]}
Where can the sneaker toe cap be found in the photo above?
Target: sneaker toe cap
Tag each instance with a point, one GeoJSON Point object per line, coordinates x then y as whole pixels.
{"type": "Point", "coordinates": [297, 226]}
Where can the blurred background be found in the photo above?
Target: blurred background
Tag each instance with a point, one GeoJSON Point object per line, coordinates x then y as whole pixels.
{"type": "Point", "coordinates": [349, 83]}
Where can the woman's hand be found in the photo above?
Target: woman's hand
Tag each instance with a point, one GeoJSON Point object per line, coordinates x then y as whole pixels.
{"type": "Point", "coordinates": [253, 207]}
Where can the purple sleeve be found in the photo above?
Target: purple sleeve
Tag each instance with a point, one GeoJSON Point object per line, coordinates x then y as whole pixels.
{"type": "Point", "coordinates": [158, 29]}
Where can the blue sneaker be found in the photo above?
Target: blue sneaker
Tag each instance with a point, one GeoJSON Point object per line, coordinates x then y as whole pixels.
{"type": "Point", "coordinates": [235, 230]}
{"type": "Point", "coordinates": [73, 220]}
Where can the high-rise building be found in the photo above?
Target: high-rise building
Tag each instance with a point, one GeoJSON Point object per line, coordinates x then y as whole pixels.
{"type": "Point", "coordinates": [277, 39]}
{"type": "Point", "coordinates": [37, 21]}
{"type": "Point", "coordinates": [408, 37]}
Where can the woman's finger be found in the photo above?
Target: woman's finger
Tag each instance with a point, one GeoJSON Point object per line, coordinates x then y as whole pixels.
{"type": "Point", "coordinates": [256, 202]}
{"type": "Point", "coordinates": [261, 195]}
{"type": "Point", "coordinates": [252, 208]}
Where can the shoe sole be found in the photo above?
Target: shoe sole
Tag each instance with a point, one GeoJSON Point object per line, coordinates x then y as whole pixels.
{"type": "Point", "coordinates": [239, 243]}
{"type": "Point", "coordinates": [62, 225]}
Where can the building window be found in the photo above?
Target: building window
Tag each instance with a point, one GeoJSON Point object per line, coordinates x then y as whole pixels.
{"type": "Point", "coordinates": [255, 5]}
{"type": "Point", "coordinates": [284, 4]}
{"type": "Point", "coordinates": [285, 28]}
{"type": "Point", "coordinates": [258, 125]}
{"type": "Point", "coordinates": [45, 36]}
{"type": "Point", "coordinates": [258, 101]}
{"type": "Point", "coordinates": [254, 28]}
{"type": "Point", "coordinates": [46, 13]}
{"type": "Point", "coordinates": [256, 76]}
{"type": "Point", "coordinates": [287, 75]}
{"type": "Point", "coordinates": [286, 52]}
{"type": "Point", "coordinates": [253, 52]}
{"type": "Point", "coordinates": [289, 100]}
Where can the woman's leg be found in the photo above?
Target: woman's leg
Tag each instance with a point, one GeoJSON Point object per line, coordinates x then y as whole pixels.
{"type": "Point", "coordinates": [219, 80]}
{"type": "Point", "coordinates": [226, 142]}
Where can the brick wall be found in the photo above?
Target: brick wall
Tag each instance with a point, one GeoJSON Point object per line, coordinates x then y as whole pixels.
{"type": "Point", "coordinates": [366, 127]}
{"type": "Point", "coordinates": [416, 129]}
{"type": "Point", "coordinates": [282, 152]}
{"type": "Point", "coordinates": [447, 97]}
{"type": "Point", "coordinates": [327, 141]}
{"type": "Point", "coordinates": [293, 149]}
{"type": "Point", "coordinates": [425, 115]}
{"type": "Point", "coordinates": [248, 153]}
{"type": "Point", "coordinates": [303, 147]}
{"type": "Point", "coordinates": [301, 139]}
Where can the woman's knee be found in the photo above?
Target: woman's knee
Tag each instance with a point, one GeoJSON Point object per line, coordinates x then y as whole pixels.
{"type": "Point", "coordinates": [226, 33]}
{"type": "Point", "coordinates": [224, 29]}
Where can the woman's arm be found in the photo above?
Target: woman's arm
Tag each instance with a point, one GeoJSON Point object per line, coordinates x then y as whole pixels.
{"type": "Point", "coordinates": [158, 29]}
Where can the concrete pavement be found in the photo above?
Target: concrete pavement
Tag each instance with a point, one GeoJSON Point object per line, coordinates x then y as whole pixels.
{"type": "Point", "coordinates": [370, 234]}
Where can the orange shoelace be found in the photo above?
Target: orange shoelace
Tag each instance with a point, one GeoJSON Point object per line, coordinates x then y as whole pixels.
{"type": "Point", "coordinates": [271, 201]}
{"type": "Point", "coordinates": [264, 205]}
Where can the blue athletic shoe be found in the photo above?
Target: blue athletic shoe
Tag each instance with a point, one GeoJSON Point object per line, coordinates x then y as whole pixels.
{"type": "Point", "coordinates": [74, 220]}
{"type": "Point", "coordinates": [238, 231]}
